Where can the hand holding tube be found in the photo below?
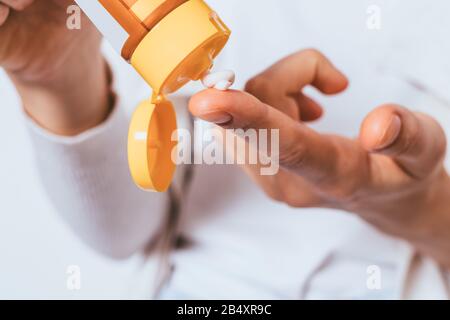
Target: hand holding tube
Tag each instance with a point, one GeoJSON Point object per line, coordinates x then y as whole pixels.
{"type": "Point", "coordinates": [59, 73]}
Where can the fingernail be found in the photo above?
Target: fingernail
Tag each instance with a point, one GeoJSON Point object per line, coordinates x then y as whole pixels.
{"type": "Point", "coordinates": [217, 117]}
{"type": "Point", "coordinates": [391, 134]}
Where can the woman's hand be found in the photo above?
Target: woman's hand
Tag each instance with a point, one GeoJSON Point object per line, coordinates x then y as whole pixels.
{"type": "Point", "coordinates": [59, 73]}
{"type": "Point", "coordinates": [392, 175]}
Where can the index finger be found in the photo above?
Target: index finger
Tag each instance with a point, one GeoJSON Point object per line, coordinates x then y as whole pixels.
{"type": "Point", "coordinates": [301, 149]}
{"type": "Point", "coordinates": [307, 67]}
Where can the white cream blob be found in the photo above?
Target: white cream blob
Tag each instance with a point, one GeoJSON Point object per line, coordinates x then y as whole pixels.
{"type": "Point", "coordinates": [221, 80]}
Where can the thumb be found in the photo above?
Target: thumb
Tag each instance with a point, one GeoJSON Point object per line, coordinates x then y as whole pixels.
{"type": "Point", "coordinates": [415, 141]}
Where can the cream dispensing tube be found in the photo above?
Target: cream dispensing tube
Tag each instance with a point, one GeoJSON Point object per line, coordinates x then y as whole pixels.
{"type": "Point", "coordinates": [169, 43]}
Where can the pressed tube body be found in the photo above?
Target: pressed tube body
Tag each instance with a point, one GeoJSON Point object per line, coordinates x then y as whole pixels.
{"type": "Point", "coordinates": [169, 42]}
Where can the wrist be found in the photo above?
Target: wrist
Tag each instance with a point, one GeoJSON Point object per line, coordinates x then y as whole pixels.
{"type": "Point", "coordinates": [68, 103]}
{"type": "Point", "coordinates": [426, 225]}
{"type": "Point", "coordinates": [435, 241]}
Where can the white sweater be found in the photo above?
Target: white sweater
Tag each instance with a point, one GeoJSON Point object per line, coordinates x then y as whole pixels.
{"type": "Point", "coordinates": [240, 243]}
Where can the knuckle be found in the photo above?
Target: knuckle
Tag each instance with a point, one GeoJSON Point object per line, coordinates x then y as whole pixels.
{"type": "Point", "coordinates": [312, 54]}
{"type": "Point", "coordinates": [258, 86]}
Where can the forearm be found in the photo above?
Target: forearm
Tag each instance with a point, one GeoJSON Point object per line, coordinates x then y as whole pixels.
{"type": "Point", "coordinates": [422, 218]}
{"type": "Point", "coordinates": [434, 238]}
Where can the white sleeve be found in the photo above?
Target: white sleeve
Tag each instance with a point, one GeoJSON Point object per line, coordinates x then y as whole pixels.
{"type": "Point", "coordinates": [87, 180]}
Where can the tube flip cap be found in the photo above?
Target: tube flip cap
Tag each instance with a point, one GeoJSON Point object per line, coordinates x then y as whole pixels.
{"type": "Point", "coordinates": [150, 145]}
{"type": "Point", "coordinates": [181, 47]}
